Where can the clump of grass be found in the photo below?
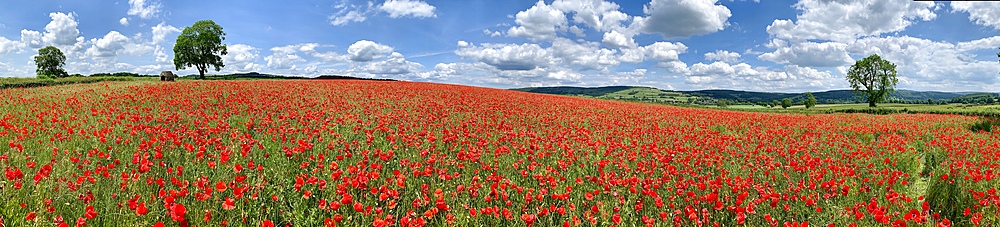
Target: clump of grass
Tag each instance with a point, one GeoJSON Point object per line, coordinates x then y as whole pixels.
{"type": "Point", "coordinates": [985, 124]}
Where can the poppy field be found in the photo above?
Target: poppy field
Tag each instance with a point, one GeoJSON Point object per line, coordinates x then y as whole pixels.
{"type": "Point", "coordinates": [371, 153]}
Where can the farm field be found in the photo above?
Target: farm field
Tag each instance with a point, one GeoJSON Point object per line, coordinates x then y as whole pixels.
{"type": "Point", "coordinates": [371, 153]}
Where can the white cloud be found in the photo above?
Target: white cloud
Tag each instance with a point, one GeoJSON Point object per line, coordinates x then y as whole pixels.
{"type": "Point", "coordinates": [365, 50]}
{"type": "Point", "coordinates": [108, 46]}
{"type": "Point", "coordinates": [723, 56]}
{"type": "Point", "coordinates": [242, 56]}
{"type": "Point", "coordinates": [807, 73]}
{"type": "Point", "coordinates": [160, 32]}
{"type": "Point", "coordinates": [979, 44]}
{"type": "Point", "coordinates": [61, 31]}
{"type": "Point", "coordinates": [598, 14]}
{"type": "Point", "coordinates": [506, 57]}
{"type": "Point", "coordinates": [143, 9]}
{"type": "Point", "coordinates": [347, 17]}
{"type": "Point", "coordinates": [585, 56]}
{"type": "Point", "coordinates": [9, 46]}
{"type": "Point", "coordinates": [161, 56]}
{"type": "Point", "coordinates": [284, 57]}
{"type": "Point", "coordinates": [407, 8]}
{"type": "Point", "coordinates": [664, 51]}
{"type": "Point", "coordinates": [123, 21]}
{"type": "Point", "coordinates": [32, 38]}
{"type": "Point", "coordinates": [540, 22]}
{"type": "Point", "coordinates": [982, 13]}
{"type": "Point", "coordinates": [849, 19]}
{"type": "Point", "coordinates": [684, 18]}
{"type": "Point", "coordinates": [809, 54]}
{"type": "Point", "coordinates": [396, 64]}
{"type": "Point", "coordinates": [618, 40]}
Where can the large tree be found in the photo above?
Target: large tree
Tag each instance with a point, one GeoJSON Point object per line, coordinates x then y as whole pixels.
{"type": "Point", "coordinates": [873, 77]}
{"type": "Point", "coordinates": [50, 61]}
{"type": "Point", "coordinates": [810, 100]}
{"type": "Point", "coordinates": [785, 103]}
{"type": "Point", "coordinates": [200, 46]}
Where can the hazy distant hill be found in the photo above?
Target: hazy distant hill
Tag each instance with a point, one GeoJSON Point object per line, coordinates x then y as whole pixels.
{"type": "Point", "coordinates": [834, 96]}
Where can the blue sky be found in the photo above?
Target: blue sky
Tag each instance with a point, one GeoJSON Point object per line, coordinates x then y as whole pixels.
{"type": "Point", "coordinates": [782, 46]}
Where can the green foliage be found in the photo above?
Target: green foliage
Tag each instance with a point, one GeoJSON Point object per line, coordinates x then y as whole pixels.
{"type": "Point", "coordinates": [786, 102]}
{"type": "Point", "coordinates": [978, 98]}
{"type": "Point", "coordinates": [810, 100]}
{"type": "Point", "coordinates": [985, 124]}
{"type": "Point", "coordinates": [200, 46]}
{"type": "Point", "coordinates": [41, 82]}
{"type": "Point", "coordinates": [950, 196]}
{"type": "Point", "coordinates": [50, 61]}
{"type": "Point", "coordinates": [721, 103]}
{"type": "Point", "coordinates": [873, 77]}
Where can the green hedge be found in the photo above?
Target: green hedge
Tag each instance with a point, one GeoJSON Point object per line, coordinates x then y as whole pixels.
{"type": "Point", "coordinates": [6, 83]}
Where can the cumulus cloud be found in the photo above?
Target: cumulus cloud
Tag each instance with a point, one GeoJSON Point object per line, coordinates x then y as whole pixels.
{"type": "Point", "coordinates": [242, 56]}
{"type": "Point", "coordinates": [61, 31]}
{"type": "Point", "coordinates": [161, 31]}
{"type": "Point", "coordinates": [809, 54]}
{"type": "Point", "coordinates": [585, 56]}
{"type": "Point", "coordinates": [108, 47]}
{"type": "Point", "coordinates": [395, 64]}
{"type": "Point", "coordinates": [348, 12]}
{"type": "Point", "coordinates": [540, 22]}
{"type": "Point", "coordinates": [365, 50]}
{"type": "Point", "coordinates": [284, 57]}
{"type": "Point", "coordinates": [982, 13]}
{"type": "Point", "coordinates": [849, 19]}
{"type": "Point", "coordinates": [407, 8]}
{"type": "Point", "coordinates": [597, 14]}
{"type": "Point", "coordinates": [723, 56]}
{"type": "Point", "coordinates": [684, 18]}
{"type": "Point", "coordinates": [505, 57]}
{"type": "Point", "coordinates": [143, 9]}
{"type": "Point", "coordinates": [9, 46]}
{"type": "Point", "coordinates": [123, 21]}
{"type": "Point", "coordinates": [665, 51]}
{"type": "Point", "coordinates": [618, 40]}
{"type": "Point", "coordinates": [32, 38]}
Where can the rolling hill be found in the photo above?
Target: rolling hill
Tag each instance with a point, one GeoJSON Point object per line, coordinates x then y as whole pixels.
{"type": "Point", "coordinates": [706, 96]}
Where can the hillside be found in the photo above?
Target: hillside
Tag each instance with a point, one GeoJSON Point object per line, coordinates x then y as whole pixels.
{"type": "Point", "coordinates": [630, 93]}
{"type": "Point", "coordinates": [639, 93]}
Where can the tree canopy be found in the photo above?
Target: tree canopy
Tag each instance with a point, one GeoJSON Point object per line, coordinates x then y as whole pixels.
{"type": "Point", "coordinates": [810, 100]}
{"type": "Point", "coordinates": [200, 46]}
{"type": "Point", "coordinates": [873, 77]}
{"type": "Point", "coordinates": [786, 102]}
{"type": "Point", "coordinates": [49, 62]}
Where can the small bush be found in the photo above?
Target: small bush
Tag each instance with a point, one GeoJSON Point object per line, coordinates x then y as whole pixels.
{"type": "Point", "coordinates": [985, 124]}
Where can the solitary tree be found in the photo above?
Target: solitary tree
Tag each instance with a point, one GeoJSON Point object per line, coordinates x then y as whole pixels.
{"type": "Point", "coordinates": [200, 46]}
{"type": "Point", "coordinates": [786, 102]}
{"type": "Point", "coordinates": [873, 77]}
{"type": "Point", "coordinates": [722, 103]}
{"type": "Point", "coordinates": [775, 103]}
{"type": "Point", "coordinates": [50, 61]}
{"type": "Point", "coordinates": [810, 100]}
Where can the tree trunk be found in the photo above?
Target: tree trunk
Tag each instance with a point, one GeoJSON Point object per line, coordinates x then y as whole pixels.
{"type": "Point", "coordinates": [201, 72]}
{"type": "Point", "coordinates": [871, 103]}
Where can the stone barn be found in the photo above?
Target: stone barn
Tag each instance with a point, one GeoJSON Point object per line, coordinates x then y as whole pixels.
{"type": "Point", "coordinates": [167, 76]}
